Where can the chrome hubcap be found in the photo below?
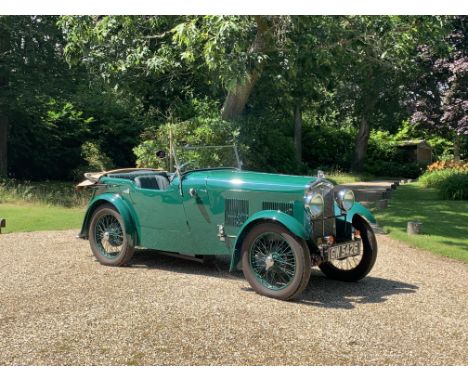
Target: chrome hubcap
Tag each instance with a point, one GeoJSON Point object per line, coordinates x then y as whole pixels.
{"type": "Point", "coordinates": [106, 236]}
{"type": "Point", "coordinates": [272, 261]}
{"type": "Point", "coordinates": [269, 262]}
{"type": "Point", "coordinates": [109, 236]}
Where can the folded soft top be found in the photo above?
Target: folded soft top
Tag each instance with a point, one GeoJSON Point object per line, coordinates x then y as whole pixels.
{"type": "Point", "coordinates": [93, 177]}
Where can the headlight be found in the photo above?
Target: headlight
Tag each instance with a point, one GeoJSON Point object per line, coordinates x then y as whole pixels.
{"type": "Point", "coordinates": [345, 199]}
{"type": "Point", "coordinates": [314, 203]}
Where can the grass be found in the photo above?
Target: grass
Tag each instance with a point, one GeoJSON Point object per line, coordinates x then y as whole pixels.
{"type": "Point", "coordinates": [27, 217]}
{"type": "Point", "coordinates": [346, 177]}
{"type": "Point", "coordinates": [48, 192]}
{"type": "Point", "coordinates": [445, 222]}
{"type": "Point", "coordinates": [41, 206]}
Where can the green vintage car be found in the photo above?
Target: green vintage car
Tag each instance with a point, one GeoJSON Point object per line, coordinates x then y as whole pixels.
{"type": "Point", "coordinates": [275, 227]}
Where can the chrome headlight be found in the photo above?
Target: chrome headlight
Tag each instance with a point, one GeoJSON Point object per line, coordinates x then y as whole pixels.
{"type": "Point", "coordinates": [345, 199]}
{"type": "Point", "coordinates": [314, 203]}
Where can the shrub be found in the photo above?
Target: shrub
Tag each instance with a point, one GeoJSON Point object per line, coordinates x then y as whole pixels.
{"type": "Point", "coordinates": [435, 178]}
{"type": "Point", "coordinates": [384, 158]}
{"type": "Point", "coordinates": [393, 168]}
{"type": "Point", "coordinates": [194, 132]}
{"type": "Point", "coordinates": [381, 146]}
{"type": "Point", "coordinates": [448, 164]}
{"type": "Point", "coordinates": [50, 193]}
{"type": "Point", "coordinates": [451, 183]}
{"type": "Point", "coordinates": [442, 148]}
{"type": "Point", "coordinates": [455, 187]}
{"type": "Point", "coordinates": [328, 147]}
{"type": "Point", "coordinates": [96, 160]}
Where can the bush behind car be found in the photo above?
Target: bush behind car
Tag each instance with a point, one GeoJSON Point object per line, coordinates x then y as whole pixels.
{"type": "Point", "coordinates": [451, 183]}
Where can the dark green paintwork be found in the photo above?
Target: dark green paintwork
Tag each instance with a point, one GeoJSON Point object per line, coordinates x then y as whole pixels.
{"type": "Point", "coordinates": [358, 209]}
{"type": "Point", "coordinates": [168, 221]}
{"type": "Point", "coordinates": [291, 223]}
{"type": "Point", "coordinates": [121, 205]}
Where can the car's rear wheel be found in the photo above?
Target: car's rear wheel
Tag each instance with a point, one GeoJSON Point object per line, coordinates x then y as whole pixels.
{"type": "Point", "coordinates": [107, 237]}
{"type": "Point", "coordinates": [356, 267]}
{"type": "Point", "coordinates": [275, 262]}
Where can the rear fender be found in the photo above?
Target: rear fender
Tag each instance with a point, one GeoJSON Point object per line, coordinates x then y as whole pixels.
{"type": "Point", "coordinates": [124, 209]}
{"type": "Point", "coordinates": [279, 217]}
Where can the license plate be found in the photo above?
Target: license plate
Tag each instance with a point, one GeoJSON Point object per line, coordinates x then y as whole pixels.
{"type": "Point", "coordinates": [344, 250]}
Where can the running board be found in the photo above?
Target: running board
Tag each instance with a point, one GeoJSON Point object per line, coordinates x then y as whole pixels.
{"type": "Point", "coordinates": [197, 258]}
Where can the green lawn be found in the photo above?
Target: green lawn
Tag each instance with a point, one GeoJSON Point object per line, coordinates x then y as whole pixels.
{"type": "Point", "coordinates": [346, 177]}
{"type": "Point", "coordinates": [25, 217]}
{"type": "Point", "coordinates": [63, 194]}
{"type": "Point", "coordinates": [445, 222]}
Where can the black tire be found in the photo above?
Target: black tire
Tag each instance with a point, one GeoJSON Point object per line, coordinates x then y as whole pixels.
{"type": "Point", "coordinates": [298, 258]}
{"type": "Point", "coordinates": [366, 262]}
{"type": "Point", "coordinates": [122, 244]}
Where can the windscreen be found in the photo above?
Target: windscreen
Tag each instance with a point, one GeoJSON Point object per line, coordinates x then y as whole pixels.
{"type": "Point", "coordinates": [198, 157]}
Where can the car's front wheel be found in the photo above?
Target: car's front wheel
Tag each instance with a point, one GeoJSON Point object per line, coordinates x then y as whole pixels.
{"type": "Point", "coordinates": [275, 262]}
{"type": "Point", "coordinates": [107, 237]}
{"type": "Point", "coordinates": [356, 267]}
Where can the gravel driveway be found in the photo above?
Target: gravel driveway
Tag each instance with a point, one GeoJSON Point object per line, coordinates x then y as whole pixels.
{"type": "Point", "coordinates": [60, 307]}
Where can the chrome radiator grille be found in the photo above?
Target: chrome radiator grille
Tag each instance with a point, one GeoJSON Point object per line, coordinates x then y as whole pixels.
{"type": "Point", "coordinates": [325, 225]}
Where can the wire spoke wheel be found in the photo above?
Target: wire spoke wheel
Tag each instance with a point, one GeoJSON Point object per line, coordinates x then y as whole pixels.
{"type": "Point", "coordinates": [354, 268]}
{"type": "Point", "coordinates": [272, 260]}
{"type": "Point", "coordinates": [349, 263]}
{"type": "Point", "coordinates": [275, 262]}
{"type": "Point", "coordinates": [108, 239]}
{"type": "Point", "coordinates": [109, 236]}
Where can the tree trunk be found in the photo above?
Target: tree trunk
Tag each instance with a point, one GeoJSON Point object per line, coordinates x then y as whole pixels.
{"type": "Point", "coordinates": [456, 147]}
{"type": "Point", "coordinates": [3, 146]}
{"type": "Point", "coordinates": [237, 98]}
{"type": "Point", "coordinates": [298, 132]}
{"type": "Point", "coordinates": [362, 141]}
{"type": "Point", "coordinates": [4, 45]}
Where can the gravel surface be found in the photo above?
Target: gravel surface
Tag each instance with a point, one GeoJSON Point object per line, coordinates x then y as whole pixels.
{"type": "Point", "coordinates": [58, 306]}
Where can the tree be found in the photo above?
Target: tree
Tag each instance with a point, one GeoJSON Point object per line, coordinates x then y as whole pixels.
{"type": "Point", "coordinates": [4, 48]}
{"type": "Point", "coordinates": [218, 53]}
{"type": "Point", "coordinates": [374, 57]}
{"type": "Point", "coordinates": [239, 94]}
{"type": "Point", "coordinates": [52, 109]}
{"type": "Point", "coordinates": [303, 67]}
{"type": "Point", "coordinates": [137, 56]}
{"type": "Point", "coordinates": [29, 48]}
{"type": "Point", "coordinates": [441, 100]}
{"type": "Point", "coordinates": [363, 64]}
{"type": "Point", "coordinates": [234, 48]}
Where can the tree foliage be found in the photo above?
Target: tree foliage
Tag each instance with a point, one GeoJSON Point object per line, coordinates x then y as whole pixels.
{"type": "Point", "coordinates": [441, 101]}
{"type": "Point", "coordinates": [336, 87]}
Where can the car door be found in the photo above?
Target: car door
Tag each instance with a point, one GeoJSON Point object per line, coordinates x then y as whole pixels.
{"type": "Point", "coordinates": [162, 219]}
{"type": "Point", "coordinates": [202, 218]}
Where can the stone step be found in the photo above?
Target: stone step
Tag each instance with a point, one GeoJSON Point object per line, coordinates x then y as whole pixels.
{"type": "Point", "coordinates": [372, 191]}
{"type": "Point", "coordinates": [369, 193]}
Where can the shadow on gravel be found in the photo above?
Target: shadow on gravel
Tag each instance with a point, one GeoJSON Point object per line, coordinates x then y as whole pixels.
{"type": "Point", "coordinates": [321, 291]}
{"type": "Point", "coordinates": [151, 259]}
{"type": "Point", "coordinates": [324, 292]}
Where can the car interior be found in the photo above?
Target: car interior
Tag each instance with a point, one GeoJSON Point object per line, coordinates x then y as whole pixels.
{"type": "Point", "coordinates": [154, 182]}
{"type": "Point", "coordinates": [146, 179]}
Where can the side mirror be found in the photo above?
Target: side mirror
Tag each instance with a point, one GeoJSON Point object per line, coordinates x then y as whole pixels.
{"type": "Point", "coordinates": [161, 154]}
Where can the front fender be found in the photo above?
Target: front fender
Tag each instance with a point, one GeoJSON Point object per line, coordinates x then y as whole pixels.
{"type": "Point", "coordinates": [359, 209]}
{"type": "Point", "coordinates": [286, 220]}
{"type": "Point", "coordinates": [123, 207]}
